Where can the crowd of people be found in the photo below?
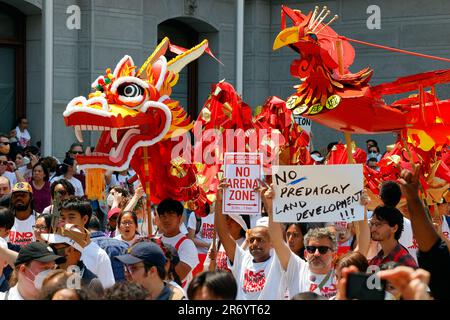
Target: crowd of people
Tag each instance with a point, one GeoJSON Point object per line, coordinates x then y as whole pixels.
{"type": "Point", "coordinates": [55, 244]}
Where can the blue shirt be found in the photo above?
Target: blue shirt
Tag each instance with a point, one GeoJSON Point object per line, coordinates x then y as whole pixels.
{"type": "Point", "coordinates": [113, 248]}
{"type": "Point", "coordinates": [3, 284]}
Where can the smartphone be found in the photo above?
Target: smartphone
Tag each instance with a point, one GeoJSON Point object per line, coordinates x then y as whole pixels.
{"type": "Point", "coordinates": [362, 286]}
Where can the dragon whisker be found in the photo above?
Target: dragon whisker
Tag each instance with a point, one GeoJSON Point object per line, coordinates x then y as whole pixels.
{"type": "Point", "coordinates": [321, 19]}
{"type": "Point", "coordinates": [329, 22]}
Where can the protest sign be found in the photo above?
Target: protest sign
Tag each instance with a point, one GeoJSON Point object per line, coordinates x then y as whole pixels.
{"type": "Point", "coordinates": [242, 171]}
{"type": "Point", "coordinates": [304, 123]}
{"type": "Point", "coordinates": [318, 193]}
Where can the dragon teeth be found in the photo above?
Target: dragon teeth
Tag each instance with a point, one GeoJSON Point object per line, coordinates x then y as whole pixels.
{"type": "Point", "coordinates": [78, 134]}
{"type": "Point", "coordinates": [114, 134]}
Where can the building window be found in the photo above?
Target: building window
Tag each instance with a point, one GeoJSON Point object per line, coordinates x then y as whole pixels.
{"type": "Point", "coordinates": [12, 66]}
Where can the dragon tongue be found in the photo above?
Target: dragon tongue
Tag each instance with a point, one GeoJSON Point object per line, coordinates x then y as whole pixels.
{"type": "Point", "coordinates": [78, 134]}
{"type": "Point", "coordinates": [114, 134]}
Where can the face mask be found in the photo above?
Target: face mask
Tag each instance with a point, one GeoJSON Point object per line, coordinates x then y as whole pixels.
{"type": "Point", "coordinates": [110, 200]}
{"type": "Point", "coordinates": [39, 278]}
{"type": "Point", "coordinates": [373, 155]}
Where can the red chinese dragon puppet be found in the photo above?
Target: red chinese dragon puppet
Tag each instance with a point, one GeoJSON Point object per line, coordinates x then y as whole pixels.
{"type": "Point", "coordinates": [138, 120]}
{"type": "Point", "coordinates": [333, 96]}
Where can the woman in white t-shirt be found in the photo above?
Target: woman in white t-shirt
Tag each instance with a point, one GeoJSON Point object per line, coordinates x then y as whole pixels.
{"type": "Point", "coordinates": [68, 172]}
{"type": "Point", "coordinates": [128, 224]}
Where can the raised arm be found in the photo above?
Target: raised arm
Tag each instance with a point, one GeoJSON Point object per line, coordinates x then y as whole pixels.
{"type": "Point", "coordinates": [276, 234]}
{"type": "Point", "coordinates": [363, 230]}
{"type": "Point", "coordinates": [221, 226]}
{"type": "Point", "coordinates": [139, 193]}
{"type": "Point", "coordinates": [423, 229]}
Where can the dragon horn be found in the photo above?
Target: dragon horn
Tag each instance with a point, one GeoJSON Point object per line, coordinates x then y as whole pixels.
{"type": "Point", "coordinates": [286, 37]}
{"type": "Point", "coordinates": [321, 19]}
{"type": "Point", "coordinates": [311, 21]}
{"type": "Point", "coordinates": [159, 51]}
{"type": "Point", "coordinates": [179, 62]}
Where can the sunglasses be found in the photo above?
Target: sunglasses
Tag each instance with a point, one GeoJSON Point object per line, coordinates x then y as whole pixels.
{"type": "Point", "coordinates": [76, 152]}
{"type": "Point", "coordinates": [322, 249]}
{"type": "Point", "coordinates": [5, 163]}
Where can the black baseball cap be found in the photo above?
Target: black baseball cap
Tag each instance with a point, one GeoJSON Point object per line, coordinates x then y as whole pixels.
{"type": "Point", "coordinates": [38, 251]}
{"type": "Point", "coordinates": [144, 252]}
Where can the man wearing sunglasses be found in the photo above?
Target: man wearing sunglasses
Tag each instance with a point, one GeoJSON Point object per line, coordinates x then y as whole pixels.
{"type": "Point", "coordinates": [317, 273]}
{"type": "Point", "coordinates": [8, 169]}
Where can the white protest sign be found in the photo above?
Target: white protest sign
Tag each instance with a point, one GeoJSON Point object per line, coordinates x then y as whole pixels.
{"type": "Point", "coordinates": [242, 171]}
{"type": "Point", "coordinates": [304, 123]}
{"type": "Point", "coordinates": [318, 193]}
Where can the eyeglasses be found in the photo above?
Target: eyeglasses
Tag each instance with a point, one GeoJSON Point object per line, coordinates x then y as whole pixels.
{"type": "Point", "coordinates": [322, 249]}
{"type": "Point", "coordinates": [132, 268]}
{"type": "Point", "coordinates": [127, 223]}
{"type": "Point", "coordinates": [376, 224]}
{"type": "Point", "coordinates": [5, 163]}
{"type": "Point", "coordinates": [40, 228]}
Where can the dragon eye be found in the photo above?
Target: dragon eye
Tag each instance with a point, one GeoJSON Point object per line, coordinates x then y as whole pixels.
{"type": "Point", "coordinates": [131, 90]}
{"type": "Point", "coordinates": [312, 36]}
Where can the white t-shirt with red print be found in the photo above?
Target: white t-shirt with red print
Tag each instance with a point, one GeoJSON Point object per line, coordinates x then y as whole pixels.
{"type": "Point", "coordinates": [222, 261]}
{"type": "Point", "coordinates": [258, 280]}
{"type": "Point", "coordinates": [186, 251]}
{"type": "Point", "coordinates": [206, 231]}
{"type": "Point", "coordinates": [300, 278]}
{"type": "Point", "coordinates": [22, 232]}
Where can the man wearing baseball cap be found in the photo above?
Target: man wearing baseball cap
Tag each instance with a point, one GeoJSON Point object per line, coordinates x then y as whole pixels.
{"type": "Point", "coordinates": [25, 217]}
{"type": "Point", "coordinates": [144, 264]}
{"type": "Point", "coordinates": [33, 263]}
{"type": "Point", "coordinates": [69, 242]}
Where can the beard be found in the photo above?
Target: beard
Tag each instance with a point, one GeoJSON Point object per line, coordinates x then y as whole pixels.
{"type": "Point", "coordinates": [317, 262]}
{"type": "Point", "coordinates": [21, 206]}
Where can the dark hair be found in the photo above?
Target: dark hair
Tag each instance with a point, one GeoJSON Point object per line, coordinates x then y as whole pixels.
{"type": "Point", "coordinates": [170, 205]}
{"type": "Point", "coordinates": [160, 269]}
{"type": "Point", "coordinates": [171, 255]}
{"type": "Point", "coordinates": [371, 140]}
{"type": "Point", "coordinates": [392, 216]}
{"type": "Point", "coordinates": [75, 144]}
{"type": "Point", "coordinates": [49, 289]}
{"type": "Point", "coordinates": [126, 291]}
{"type": "Point", "coordinates": [68, 162]}
{"type": "Point", "coordinates": [331, 145]}
{"type": "Point", "coordinates": [65, 183]}
{"type": "Point", "coordinates": [390, 193]}
{"type": "Point", "coordinates": [50, 163]}
{"type": "Point", "coordinates": [125, 193]}
{"type": "Point", "coordinates": [302, 226]}
{"type": "Point", "coordinates": [19, 120]}
{"type": "Point", "coordinates": [94, 224]}
{"type": "Point", "coordinates": [32, 149]}
{"type": "Point", "coordinates": [308, 296]}
{"type": "Point", "coordinates": [83, 207]}
{"type": "Point", "coordinates": [47, 218]}
{"type": "Point", "coordinates": [44, 168]}
{"type": "Point", "coordinates": [221, 283]}
{"type": "Point", "coordinates": [353, 258]}
{"type": "Point", "coordinates": [6, 218]}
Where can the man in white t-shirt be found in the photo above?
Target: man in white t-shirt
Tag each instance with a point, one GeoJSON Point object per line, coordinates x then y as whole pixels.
{"type": "Point", "coordinates": [22, 232]}
{"type": "Point", "coordinates": [170, 214]}
{"type": "Point", "coordinates": [317, 273]}
{"type": "Point", "coordinates": [257, 271]}
{"type": "Point", "coordinates": [78, 211]}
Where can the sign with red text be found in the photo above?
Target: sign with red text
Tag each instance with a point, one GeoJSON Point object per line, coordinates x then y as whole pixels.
{"type": "Point", "coordinates": [318, 193]}
{"type": "Point", "coordinates": [242, 171]}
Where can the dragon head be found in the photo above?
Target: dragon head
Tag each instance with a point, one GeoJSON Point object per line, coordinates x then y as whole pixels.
{"type": "Point", "coordinates": [311, 36]}
{"type": "Point", "coordinates": [132, 108]}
